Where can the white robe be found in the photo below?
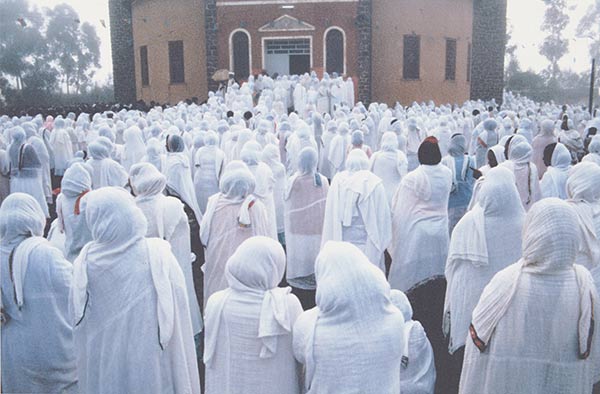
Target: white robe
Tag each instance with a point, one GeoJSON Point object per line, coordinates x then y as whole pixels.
{"type": "Point", "coordinates": [420, 238]}
{"type": "Point", "coordinates": [390, 166]}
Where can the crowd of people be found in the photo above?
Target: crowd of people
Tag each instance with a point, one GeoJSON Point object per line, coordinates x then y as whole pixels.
{"type": "Point", "coordinates": [280, 238]}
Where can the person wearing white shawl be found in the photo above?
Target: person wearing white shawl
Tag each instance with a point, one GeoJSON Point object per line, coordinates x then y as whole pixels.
{"type": "Point", "coordinates": [232, 216]}
{"type": "Point", "coordinates": [129, 306]}
{"type": "Point", "coordinates": [44, 157]}
{"type": "Point", "coordinates": [420, 237]}
{"type": "Point", "coordinates": [417, 372]}
{"type": "Point", "coordinates": [209, 162]}
{"type": "Point", "coordinates": [486, 240]}
{"type": "Point", "coordinates": [519, 153]}
{"type": "Point", "coordinates": [70, 209]}
{"type": "Point", "coordinates": [553, 183]}
{"type": "Point", "coordinates": [462, 167]}
{"type": "Point", "coordinates": [540, 142]}
{"type": "Point", "coordinates": [4, 175]}
{"type": "Point", "coordinates": [485, 140]}
{"type": "Point", "coordinates": [533, 328]}
{"type": "Point", "coordinates": [325, 166]}
{"type": "Point", "coordinates": [106, 171]}
{"type": "Point", "coordinates": [38, 353]}
{"type": "Point", "coordinates": [134, 148]}
{"type": "Point", "coordinates": [270, 156]}
{"type": "Point", "coordinates": [166, 220]}
{"type": "Point", "coordinates": [390, 164]}
{"type": "Point", "coordinates": [304, 212]}
{"type": "Point", "coordinates": [495, 156]}
{"type": "Point", "coordinates": [62, 147]}
{"type": "Point", "coordinates": [594, 151]}
{"type": "Point", "coordinates": [338, 149]}
{"type": "Point", "coordinates": [264, 183]}
{"type": "Point", "coordinates": [25, 169]}
{"type": "Point", "coordinates": [248, 342]}
{"type": "Point", "coordinates": [583, 189]}
{"type": "Point", "coordinates": [414, 139]}
{"type": "Point", "coordinates": [352, 341]}
{"type": "Point", "coordinates": [155, 155]}
{"type": "Point", "coordinates": [179, 176]}
{"type": "Point", "coordinates": [357, 210]}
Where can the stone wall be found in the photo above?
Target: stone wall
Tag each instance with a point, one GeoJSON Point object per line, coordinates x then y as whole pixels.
{"type": "Point", "coordinates": [364, 25]}
{"type": "Point", "coordinates": [489, 46]}
{"type": "Point", "coordinates": [211, 29]}
{"type": "Point", "coordinates": [121, 38]}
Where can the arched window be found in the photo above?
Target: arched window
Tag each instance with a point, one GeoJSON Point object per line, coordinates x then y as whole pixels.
{"type": "Point", "coordinates": [335, 47]}
{"type": "Point", "coordinates": [240, 54]}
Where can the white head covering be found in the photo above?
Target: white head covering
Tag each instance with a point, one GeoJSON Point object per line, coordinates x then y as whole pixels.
{"type": "Point", "coordinates": [549, 245]}
{"type": "Point", "coordinates": [256, 268]}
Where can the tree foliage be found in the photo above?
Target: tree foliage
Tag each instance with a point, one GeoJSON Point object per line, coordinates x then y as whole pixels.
{"type": "Point", "coordinates": [42, 51]}
{"type": "Point", "coordinates": [555, 46]}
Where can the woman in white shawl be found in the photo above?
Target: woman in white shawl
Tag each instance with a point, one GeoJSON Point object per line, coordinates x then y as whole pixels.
{"type": "Point", "coordinates": [594, 151]}
{"type": "Point", "coordinates": [304, 212]}
{"type": "Point", "coordinates": [129, 306]}
{"type": "Point", "coordinates": [270, 156]}
{"type": "Point", "coordinates": [352, 341]}
{"type": "Point", "coordinates": [209, 162]}
{"type": "Point", "coordinates": [25, 169]}
{"type": "Point", "coordinates": [420, 240]}
{"type": "Point", "coordinates": [70, 209]}
{"type": "Point", "coordinates": [495, 156]}
{"type": "Point", "coordinates": [486, 240]}
{"type": "Point", "coordinates": [232, 216]}
{"type": "Point", "coordinates": [44, 157]}
{"type": "Point", "coordinates": [519, 153]}
{"type": "Point", "coordinates": [166, 220]}
{"type": "Point", "coordinates": [179, 178]}
{"type": "Point", "coordinates": [325, 166]}
{"type": "Point", "coordinates": [540, 142]}
{"type": "Point", "coordinates": [106, 171]}
{"type": "Point", "coordinates": [558, 163]}
{"type": "Point", "coordinates": [583, 189]}
{"type": "Point", "coordinates": [155, 155]}
{"type": "Point", "coordinates": [357, 210]}
{"type": "Point", "coordinates": [38, 353]}
{"type": "Point", "coordinates": [390, 164]}
{"type": "Point", "coordinates": [338, 149]}
{"type": "Point", "coordinates": [265, 182]}
{"type": "Point", "coordinates": [417, 373]}
{"type": "Point", "coordinates": [248, 343]}
{"type": "Point", "coordinates": [533, 328]}
{"type": "Point", "coordinates": [62, 147]}
{"type": "Point", "coordinates": [134, 148]}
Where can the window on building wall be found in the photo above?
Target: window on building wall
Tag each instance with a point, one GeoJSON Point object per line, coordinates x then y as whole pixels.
{"type": "Point", "coordinates": [176, 69]}
{"type": "Point", "coordinates": [144, 65]}
{"type": "Point", "coordinates": [469, 55]}
{"type": "Point", "coordinates": [334, 47]}
{"type": "Point", "coordinates": [450, 59]}
{"type": "Point", "coordinates": [241, 55]}
{"type": "Point", "coordinates": [412, 57]}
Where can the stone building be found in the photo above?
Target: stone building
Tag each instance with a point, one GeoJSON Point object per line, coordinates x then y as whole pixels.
{"type": "Point", "coordinates": [394, 50]}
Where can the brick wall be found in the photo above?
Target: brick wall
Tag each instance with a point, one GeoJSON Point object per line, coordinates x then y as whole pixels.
{"type": "Point", "coordinates": [364, 25]}
{"type": "Point", "coordinates": [489, 46]}
{"type": "Point", "coordinates": [212, 57]}
{"type": "Point", "coordinates": [121, 39]}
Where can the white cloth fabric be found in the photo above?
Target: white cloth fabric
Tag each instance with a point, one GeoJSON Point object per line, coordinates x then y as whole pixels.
{"type": "Point", "coordinates": [179, 181]}
{"type": "Point", "coordinates": [248, 343]}
{"type": "Point", "coordinates": [106, 171]}
{"type": "Point", "coordinates": [133, 149]}
{"type": "Point", "coordinates": [38, 354]}
{"type": "Point", "coordinates": [304, 212]}
{"type": "Point", "coordinates": [167, 220]}
{"type": "Point", "coordinates": [532, 328]}
{"type": "Point", "coordinates": [62, 148]}
{"type": "Point", "coordinates": [209, 162]}
{"type": "Point", "coordinates": [417, 373]}
{"type": "Point", "coordinates": [526, 175]}
{"type": "Point", "coordinates": [70, 210]}
{"type": "Point", "coordinates": [129, 293]}
{"type": "Point", "coordinates": [486, 240]}
{"type": "Point", "coordinates": [352, 341]}
{"type": "Point", "coordinates": [420, 238]}
{"type": "Point", "coordinates": [357, 211]}
{"type": "Point", "coordinates": [554, 180]}
{"type": "Point", "coordinates": [232, 216]}
{"type": "Point", "coordinates": [390, 166]}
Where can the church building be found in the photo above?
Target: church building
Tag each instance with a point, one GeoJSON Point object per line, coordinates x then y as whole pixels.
{"type": "Point", "coordinates": [447, 51]}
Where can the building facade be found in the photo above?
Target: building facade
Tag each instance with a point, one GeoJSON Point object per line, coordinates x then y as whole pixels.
{"type": "Point", "coordinates": [395, 50]}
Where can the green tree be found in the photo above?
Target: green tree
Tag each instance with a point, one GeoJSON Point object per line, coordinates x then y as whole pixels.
{"type": "Point", "coordinates": [75, 47]}
{"type": "Point", "coordinates": [555, 46]}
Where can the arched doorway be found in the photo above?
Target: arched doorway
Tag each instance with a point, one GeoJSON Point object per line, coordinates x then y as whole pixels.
{"type": "Point", "coordinates": [335, 51]}
{"type": "Point", "coordinates": [239, 51]}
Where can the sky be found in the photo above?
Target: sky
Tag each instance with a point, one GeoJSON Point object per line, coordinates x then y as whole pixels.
{"type": "Point", "coordinates": [524, 18]}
